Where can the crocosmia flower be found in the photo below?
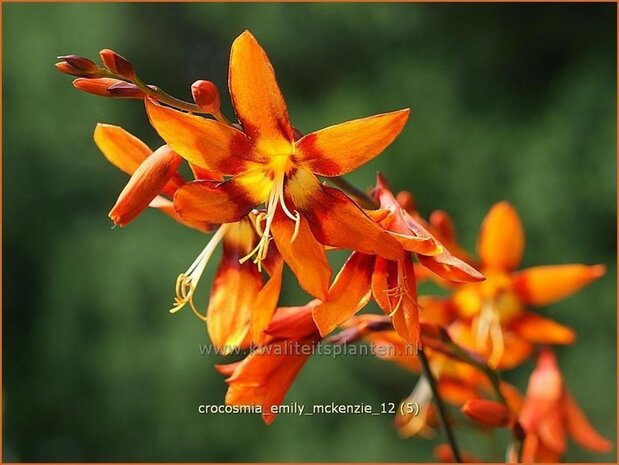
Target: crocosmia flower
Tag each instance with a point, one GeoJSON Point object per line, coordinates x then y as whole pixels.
{"type": "Point", "coordinates": [264, 164]}
{"type": "Point", "coordinates": [493, 317]}
{"type": "Point", "coordinates": [549, 414]}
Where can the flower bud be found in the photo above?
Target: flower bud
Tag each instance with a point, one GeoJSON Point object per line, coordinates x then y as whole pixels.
{"type": "Point", "coordinates": [78, 64]}
{"type": "Point", "coordinates": [487, 412]}
{"type": "Point", "coordinates": [206, 95]}
{"type": "Point", "coordinates": [108, 87]}
{"type": "Point", "coordinates": [117, 64]}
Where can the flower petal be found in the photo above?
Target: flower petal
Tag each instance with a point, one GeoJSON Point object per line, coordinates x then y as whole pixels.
{"type": "Point", "coordinates": [256, 97]}
{"type": "Point", "coordinates": [145, 184]}
{"type": "Point", "coordinates": [539, 330]}
{"type": "Point", "coordinates": [265, 304]}
{"type": "Point", "coordinates": [581, 430]}
{"type": "Point", "coordinates": [543, 285]}
{"type": "Point", "coordinates": [349, 293]}
{"type": "Point", "coordinates": [395, 291]}
{"type": "Point", "coordinates": [122, 149]}
{"type": "Point", "coordinates": [444, 264]}
{"type": "Point", "coordinates": [234, 291]}
{"type": "Point", "coordinates": [201, 141]}
{"type": "Point", "coordinates": [451, 268]}
{"type": "Point", "coordinates": [305, 255]}
{"type": "Point", "coordinates": [342, 148]}
{"type": "Point", "coordinates": [265, 376]}
{"type": "Point", "coordinates": [336, 220]}
{"type": "Point", "coordinates": [167, 206]}
{"type": "Point", "coordinates": [501, 239]}
{"type": "Point", "coordinates": [221, 202]}
{"type": "Point", "coordinates": [294, 322]}
{"type": "Point", "coordinates": [126, 152]}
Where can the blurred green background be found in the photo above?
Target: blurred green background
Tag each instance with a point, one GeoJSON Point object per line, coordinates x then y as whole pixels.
{"type": "Point", "coordinates": [511, 102]}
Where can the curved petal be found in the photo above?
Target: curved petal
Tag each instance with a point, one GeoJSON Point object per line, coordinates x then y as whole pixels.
{"type": "Point", "coordinates": [581, 430]}
{"type": "Point", "coordinates": [451, 268]}
{"type": "Point", "coordinates": [122, 149]}
{"type": "Point", "coordinates": [257, 99]}
{"type": "Point", "coordinates": [305, 255]}
{"type": "Point", "coordinates": [501, 239]}
{"type": "Point", "coordinates": [265, 304]}
{"type": "Point", "coordinates": [265, 376]}
{"type": "Point", "coordinates": [342, 148]}
{"type": "Point", "coordinates": [539, 330]}
{"type": "Point", "coordinates": [543, 285]}
{"type": "Point", "coordinates": [234, 291]}
{"type": "Point", "coordinates": [336, 220]}
{"type": "Point", "coordinates": [145, 184]}
{"type": "Point", "coordinates": [419, 245]}
{"type": "Point", "coordinates": [220, 202]}
{"type": "Point", "coordinates": [167, 206]}
{"type": "Point", "coordinates": [349, 293]}
{"type": "Point", "coordinates": [201, 141]}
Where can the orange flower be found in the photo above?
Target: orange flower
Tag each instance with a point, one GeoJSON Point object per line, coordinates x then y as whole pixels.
{"type": "Point", "coordinates": [266, 165]}
{"type": "Point", "coordinates": [550, 413]}
{"type": "Point", "coordinates": [391, 282]}
{"type": "Point", "coordinates": [493, 316]}
{"type": "Point", "coordinates": [240, 305]}
{"type": "Point", "coordinates": [263, 377]}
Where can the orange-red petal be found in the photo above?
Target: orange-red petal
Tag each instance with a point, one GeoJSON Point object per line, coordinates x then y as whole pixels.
{"type": "Point", "coordinates": [543, 285]}
{"type": "Point", "coordinates": [265, 304]}
{"type": "Point", "coordinates": [536, 329]}
{"type": "Point", "coordinates": [145, 184]}
{"type": "Point", "coordinates": [234, 291]}
{"type": "Point", "coordinates": [216, 202]}
{"type": "Point", "coordinates": [501, 239]}
{"type": "Point", "coordinates": [265, 376]}
{"type": "Point", "coordinates": [257, 99]}
{"type": "Point", "coordinates": [201, 141]}
{"type": "Point", "coordinates": [336, 220]}
{"type": "Point", "coordinates": [305, 255]}
{"type": "Point", "coordinates": [342, 148]}
{"type": "Point", "coordinates": [167, 206]}
{"type": "Point", "coordinates": [122, 149]}
{"type": "Point", "coordinates": [581, 430]}
{"type": "Point", "coordinates": [349, 293]}
{"type": "Point", "coordinates": [294, 322]}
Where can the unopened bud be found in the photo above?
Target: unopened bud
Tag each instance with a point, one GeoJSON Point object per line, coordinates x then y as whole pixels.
{"type": "Point", "coordinates": [206, 96]}
{"type": "Point", "coordinates": [117, 64]}
{"type": "Point", "coordinates": [487, 412]}
{"type": "Point", "coordinates": [108, 87]}
{"type": "Point", "coordinates": [80, 63]}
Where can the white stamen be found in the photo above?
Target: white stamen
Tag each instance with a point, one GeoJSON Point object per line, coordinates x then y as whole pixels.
{"type": "Point", "coordinates": [187, 282]}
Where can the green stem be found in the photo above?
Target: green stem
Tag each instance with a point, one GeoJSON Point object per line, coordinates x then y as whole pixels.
{"type": "Point", "coordinates": [442, 411]}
